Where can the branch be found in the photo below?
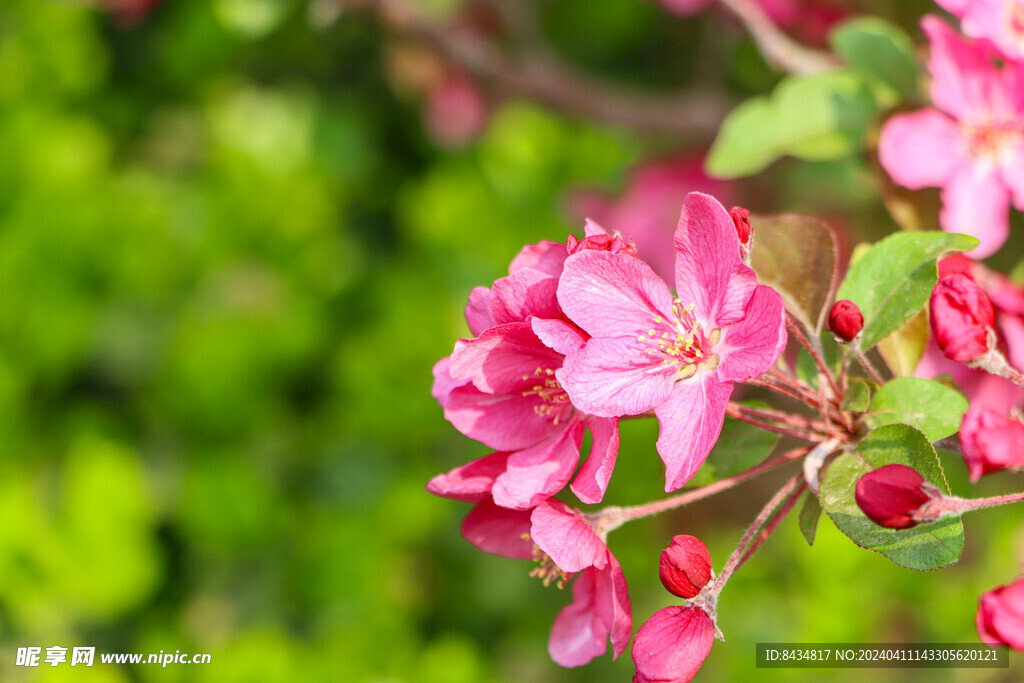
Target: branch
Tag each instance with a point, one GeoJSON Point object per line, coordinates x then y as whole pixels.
{"type": "Point", "coordinates": [548, 81]}
{"type": "Point", "coordinates": [776, 46]}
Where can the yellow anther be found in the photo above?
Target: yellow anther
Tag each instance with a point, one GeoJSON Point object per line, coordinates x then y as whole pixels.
{"type": "Point", "coordinates": [657, 318]}
{"type": "Point", "coordinates": [641, 338]}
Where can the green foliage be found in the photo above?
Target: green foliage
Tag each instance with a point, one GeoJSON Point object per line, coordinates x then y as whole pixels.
{"type": "Point", "coordinates": [892, 282]}
{"type": "Point", "coordinates": [930, 407]}
{"type": "Point", "coordinates": [880, 52]}
{"type": "Point", "coordinates": [923, 547]}
{"type": "Point", "coordinates": [810, 514]}
{"type": "Point", "coordinates": [858, 396]}
{"type": "Point", "coordinates": [823, 116]}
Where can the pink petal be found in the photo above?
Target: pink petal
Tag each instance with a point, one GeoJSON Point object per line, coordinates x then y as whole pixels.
{"type": "Point", "coordinates": [1006, 614]}
{"type": "Point", "coordinates": [920, 149]}
{"type": "Point", "coordinates": [470, 482]}
{"type": "Point", "coordinates": [563, 337]}
{"type": "Point", "coordinates": [611, 378]}
{"type": "Point", "coordinates": [1011, 170]}
{"type": "Point", "coordinates": [709, 271]}
{"type": "Point", "coordinates": [478, 311]}
{"type": "Point", "coordinates": [672, 645]}
{"type": "Point", "coordinates": [567, 538]}
{"type": "Point", "coordinates": [444, 385]}
{"type": "Point", "coordinates": [506, 422]}
{"type": "Point", "coordinates": [503, 358]}
{"type": "Point", "coordinates": [962, 76]}
{"type": "Point", "coordinates": [612, 295]}
{"type": "Point", "coordinates": [975, 203]}
{"type": "Point", "coordinates": [690, 420]}
{"type": "Point", "coordinates": [592, 480]}
{"type": "Point", "coordinates": [592, 228]}
{"type": "Point", "coordinates": [545, 256]}
{"type": "Point", "coordinates": [686, 7]}
{"type": "Point", "coordinates": [1012, 329]}
{"type": "Point", "coordinates": [499, 531]}
{"type": "Point", "coordinates": [524, 293]}
{"type": "Point", "coordinates": [993, 20]}
{"type": "Point", "coordinates": [578, 634]}
{"type": "Point", "coordinates": [750, 347]}
{"type": "Point", "coordinates": [612, 605]}
{"type": "Point", "coordinates": [539, 472]}
{"type": "Point", "coordinates": [954, 7]}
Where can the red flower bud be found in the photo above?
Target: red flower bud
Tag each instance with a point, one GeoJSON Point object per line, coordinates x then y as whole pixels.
{"type": "Point", "coordinates": [741, 217]}
{"type": "Point", "coordinates": [685, 566]}
{"type": "Point", "coordinates": [962, 318]}
{"type": "Point", "coordinates": [999, 619]}
{"type": "Point", "coordinates": [612, 243]}
{"type": "Point", "coordinates": [845, 320]}
{"type": "Point", "coordinates": [890, 496]}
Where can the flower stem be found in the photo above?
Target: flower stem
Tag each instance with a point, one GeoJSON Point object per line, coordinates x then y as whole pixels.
{"type": "Point", "coordinates": [790, 419]}
{"type": "Point", "coordinates": [627, 514]}
{"type": "Point", "coordinates": [996, 363]}
{"type": "Point", "coordinates": [823, 368]}
{"type": "Point", "coordinates": [778, 48]}
{"type": "Point", "coordinates": [784, 510]}
{"type": "Point", "coordinates": [784, 431]}
{"type": "Point", "coordinates": [948, 506]}
{"type": "Point", "coordinates": [866, 364]}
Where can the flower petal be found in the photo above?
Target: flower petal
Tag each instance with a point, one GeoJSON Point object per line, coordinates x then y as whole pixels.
{"type": "Point", "coordinates": [470, 482]}
{"type": "Point", "coordinates": [976, 203]}
{"type": "Point", "coordinates": [612, 295]}
{"type": "Point", "coordinates": [612, 377]}
{"type": "Point", "coordinates": [498, 360]}
{"type": "Point", "coordinates": [567, 539]}
{"type": "Point", "coordinates": [545, 256]}
{"type": "Point", "coordinates": [505, 422]}
{"type": "Point", "coordinates": [539, 472]}
{"type": "Point", "coordinates": [612, 605]}
{"type": "Point", "coordinates": [963, 78]}
{"type": "Point", "coordinates": [478, 311]}
{"type": "Point", "coordinates": [559, 335]}
{"type": "Point", "coordinates": [750, 347]}
{"type": "Point", "coordinates": [709, 271]}
{"type": "Point", "coordinates": [577, 635]}
{"type": "Point", "coordinates": [499, 531]}
{"type": "Point", "coordinates": [592, 480]}
{"type": "Point", "coordinates": [691, 420]}
{"type": "Point", "coordinates": [524, 293]}
{"type": "Point", "coordinates": [672, 645]}
{"type": "Point", "coordinates": [444, 384]}
{"type": "Point", "coordinates": [920, 149]}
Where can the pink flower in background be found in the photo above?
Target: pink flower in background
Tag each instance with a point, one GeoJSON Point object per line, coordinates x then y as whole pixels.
{"type": "Point", "coordinates": [1000, 617]}
{"type": "Point", "coordinates": [784, 13]}
{"type": "Point", "coordinates": [672, 645]}
{"type": "Point", "coordinates": [455, 112]}
{"type": "Point", "coordinates": [999, 21]}
{"type": "Point", "coordinates": [600, 608]}
{"type": "Point", "coordinates": [971, 145]}
{"type": "Point", "coordinates": [647, 211]}
{"type": "Point", "coordinates": [991, 441]}
{"type": "Point", "coordinates": [962, 318]}
{"type": "Point", "coordinates": [678, 357]}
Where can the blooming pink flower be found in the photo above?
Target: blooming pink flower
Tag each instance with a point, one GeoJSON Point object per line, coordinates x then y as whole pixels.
{"type": "Point", "coordinates": [647, 210]}
{"type": "Point", "coordinates": [500, 387]}
{"type": "Point", "coordinates": [999, 21]}
{"type": "Point", "coordinates": [600, 608]}
{"type": "Point", "coordinates": [672, 645]}
{"type": "Point", "coordinates": [1000, 616]}
{"type": "Point", "coordinates": [962, 318]}
{"type": "Point", "coordinates": [971, 145]}
{"type": "Point", "coordinates": [678, 357]}
{"type": "Point", "coordinates": [991, 441]}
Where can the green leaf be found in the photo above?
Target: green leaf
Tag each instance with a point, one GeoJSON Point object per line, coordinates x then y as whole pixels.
{"type": "Point", "coordinates": [892, 281]}
{"type": "Point", "coordinates": [902, 350]}
{"type": "Point", "coordinates": [740, 446]}
{"type": "Point", "coordinates": [796, 256]}
{"type": "Point", "coordinates": [806, 368]}
{"type": "Point", "coordinates": [929, 406]}
{"type": "Point", "coordinates": [821, 116]}
{"type": "Point", "coordinates": [924, 547]}
{"type": "Point", "coordinates": [810, 513]}
{"type": "Point", "coordinates": [881, 52]}
{"type": "Point", "coordinates": [858, 396]}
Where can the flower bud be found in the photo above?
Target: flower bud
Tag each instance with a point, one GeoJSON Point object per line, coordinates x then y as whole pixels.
{"type": "Point", "coordinates": [891, 495]}
{"type": "Point", "coordinates": [962, 318]}
{"type": "Point", "coordinates": [991, 441]}
{"type": "Point", "coordinates": [741, 217]}
{"type": "Point", "coordinates": [685, 566]}
{"type": "Point", "coordinates": [999, 617]}
{"type": "Point", "coordinates": [611, 243]}
{"type": "Point", "coordinates": [845, 320]}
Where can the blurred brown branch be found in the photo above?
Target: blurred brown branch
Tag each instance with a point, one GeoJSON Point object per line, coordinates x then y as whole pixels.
{"type": "Point", "coordinates": [542, 77]}
{"type": "Point", "coordinates": [777, 47]}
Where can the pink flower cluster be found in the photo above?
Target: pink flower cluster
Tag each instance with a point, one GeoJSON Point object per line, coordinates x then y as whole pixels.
{"type": "Point", "coordinates": [573, 338]}
{"type": "Point", "coordinates": [971, 143]}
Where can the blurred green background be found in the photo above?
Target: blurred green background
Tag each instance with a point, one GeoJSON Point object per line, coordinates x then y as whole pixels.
{"type": "Point", "coordinates": [229, 255]}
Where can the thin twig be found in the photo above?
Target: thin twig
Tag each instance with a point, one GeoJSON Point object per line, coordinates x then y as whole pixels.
{"type": "Point", "coordinates": [776, 519]}
{"type": "Point", "coordinates": [790, 419]}
{"type": "Point", "coordinates": [794, 328]}
{"type": "Point", "coordinates": [778, 48]}
{"type": "Point", "coordinates": [784, 431]}
{"type": "Point", "coordinates": [862, 358]}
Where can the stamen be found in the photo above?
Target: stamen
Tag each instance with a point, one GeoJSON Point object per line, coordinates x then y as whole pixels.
{"type": "Point", "coordinates": [547, 571]}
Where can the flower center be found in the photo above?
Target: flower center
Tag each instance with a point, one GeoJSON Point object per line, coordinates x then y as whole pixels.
{"type": "Point", "coordinates": [990, 139]}
{"type": "Point", "coordinates": [546, 570]}
{"type": "Point", "coordinates": [680, 341]}
{"type": "Point", "coordinates": [554, 402]}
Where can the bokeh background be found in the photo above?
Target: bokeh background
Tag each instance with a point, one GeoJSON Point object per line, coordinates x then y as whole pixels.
{"type": "Point", "coordinates": [230, 252]}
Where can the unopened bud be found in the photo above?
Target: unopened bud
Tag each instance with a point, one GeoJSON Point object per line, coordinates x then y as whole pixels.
{"type": "Point", "coordinates": [845, 320]}
{"type": "Point", "coordinates": [962, 318]}
{"type": "Point", "coordinates": [893, 496]}
{"type": "Point", "coordinates": [685, 566]}
{"type": "Point", "coordinates": [741, 217]}
{"type": "Point", "coordinates": [610, 243]}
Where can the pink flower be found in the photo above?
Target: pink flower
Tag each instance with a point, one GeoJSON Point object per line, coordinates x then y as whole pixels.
{"type": "Point", "coordinates": [962, 318]}
{"type": "Point", "coordinates": [600, 608]}
{"type": "Point", "coordinates": [672, 645]}
{"type": "Point", "coordinates": [971, 145]}
{"type": "Point", "coordinates": [1000, 617]}
{"type": "Point", "coordinates": [455, 112]}
{"type": "Point", "coordinates": [999, 21]}
{"type": "Point", "coordinates": [647, 211]}
{"type": "Point", "coordinates": [991, 441]}
{"type": "Point", "coordinates": [678, 357]}
{"type": "Point", "coordinates": [785, 13]}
